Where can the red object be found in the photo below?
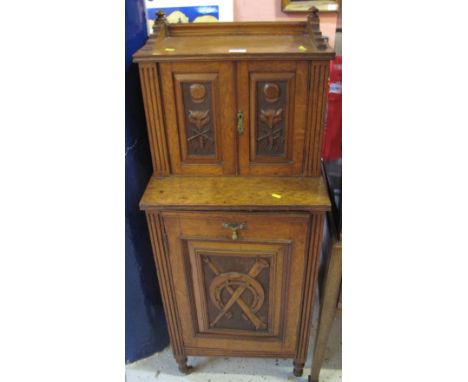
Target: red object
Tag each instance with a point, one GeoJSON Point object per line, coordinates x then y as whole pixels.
{"type": "Point", "coordinates": [331, 148]}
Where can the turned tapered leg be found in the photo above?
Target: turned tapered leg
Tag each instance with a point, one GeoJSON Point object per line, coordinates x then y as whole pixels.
{"type": "Point", "coordinates": [298, 368]}
{"type": "Point", "coordinates": [183, 367]}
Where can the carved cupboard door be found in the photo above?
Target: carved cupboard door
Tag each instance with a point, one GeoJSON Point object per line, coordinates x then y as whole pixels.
{"type": "Point", "coordinates": [237, 280]}
{"type": "Point", "coordinates": [199, 110]}
{"type": "Point", "coordinates": [273, 103]}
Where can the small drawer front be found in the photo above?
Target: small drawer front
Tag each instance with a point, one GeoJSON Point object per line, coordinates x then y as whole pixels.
{"type": "Point", "coordinates": [233, 276]}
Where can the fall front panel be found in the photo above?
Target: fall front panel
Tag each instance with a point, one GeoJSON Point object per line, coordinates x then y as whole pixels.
{"type": "Point", "coordinates": [238, 293]}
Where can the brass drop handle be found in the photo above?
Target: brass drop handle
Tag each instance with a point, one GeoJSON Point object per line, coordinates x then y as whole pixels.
{"type": "Point", "coordinates": [240, 122]}
{"type": "Point", "coordinates": [234, 226]}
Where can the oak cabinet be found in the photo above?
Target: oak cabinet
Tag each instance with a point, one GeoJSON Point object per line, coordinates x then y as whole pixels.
{"type": "Point", "coordinates": [236, 204]}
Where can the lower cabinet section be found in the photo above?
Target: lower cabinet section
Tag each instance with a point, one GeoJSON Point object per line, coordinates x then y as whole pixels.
{"type": "Point", "coordinates": [237, 284]}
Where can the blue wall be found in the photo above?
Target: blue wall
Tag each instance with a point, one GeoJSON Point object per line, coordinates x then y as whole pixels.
{"type": "Point", "coordinates": [145, 325]}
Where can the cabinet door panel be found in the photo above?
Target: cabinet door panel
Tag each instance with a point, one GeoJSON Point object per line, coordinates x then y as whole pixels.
{"type": "Point", "coordinates": [273, 98]}
{"type": "Point", "coordinates": [200, 117]}
{"type": "Point", "coordinates": [238, 294]}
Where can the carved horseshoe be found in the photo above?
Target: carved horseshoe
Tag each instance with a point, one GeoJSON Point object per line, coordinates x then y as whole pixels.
{"type": "Point", "coordinates": [240, 279]}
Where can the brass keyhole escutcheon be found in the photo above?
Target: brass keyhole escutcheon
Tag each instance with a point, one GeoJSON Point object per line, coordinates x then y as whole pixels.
{"type": "Point", "coordinates": [234, 226]}
{"type": "Point", "coordinates": [240, 122]}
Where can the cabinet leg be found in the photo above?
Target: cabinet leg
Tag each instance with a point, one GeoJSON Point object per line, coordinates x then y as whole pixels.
{"type": "Point", "coordinates": [183, 367]}
{"type": "Point", "coordinates": [298, 368]}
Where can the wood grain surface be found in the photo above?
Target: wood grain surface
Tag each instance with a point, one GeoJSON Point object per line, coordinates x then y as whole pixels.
{"type": "Point", "coordinates": [236, 193]}
{"type": "Point", "coordinates": [286, 245]}
{"type": "Point", "coordinates": [154, 118]}
{"type": "Point", "coordinates": [236, 256]}
{"type": "Point", "coordinates": [272, 40]}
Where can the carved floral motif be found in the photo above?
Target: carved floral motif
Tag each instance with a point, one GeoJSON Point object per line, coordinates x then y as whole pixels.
{"type": "Point", "coordinates": [200, 119]}
{"type": "Point", "coordinates": [271, 118]}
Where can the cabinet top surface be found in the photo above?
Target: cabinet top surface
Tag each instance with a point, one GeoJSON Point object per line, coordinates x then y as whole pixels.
{"type": "Point", "coordinates": [236, 193]}
{"type": "Point", "coordinates": [234, 41]}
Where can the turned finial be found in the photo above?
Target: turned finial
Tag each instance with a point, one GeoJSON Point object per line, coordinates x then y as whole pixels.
{"type": "Point", "coordinates": [314, 11]}
{"type": "Point", "coordinates": [160, 16]}
{"type": "Point", "coordinates": [313, 28]}
{"type": "Point", "coordinates": [313, 17]}
{"type": "Point", "coordinates": [160, 24]}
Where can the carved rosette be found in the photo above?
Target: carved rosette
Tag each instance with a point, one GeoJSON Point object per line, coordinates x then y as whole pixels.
{"type": "Point", "coordinates": [199, 119]}
{"type": "Point", "coordinates": [271, 102]}
{"type": "Point", "coordinates": [198, 93]}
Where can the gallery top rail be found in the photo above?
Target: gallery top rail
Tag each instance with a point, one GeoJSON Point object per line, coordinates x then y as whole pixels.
{"type": "Point", "coordinates": [236, 40]}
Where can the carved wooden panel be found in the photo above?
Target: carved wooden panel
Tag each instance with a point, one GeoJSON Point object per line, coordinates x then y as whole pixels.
{"type": "Point", "coordinates": [246, 282]}
{"type": "Point", "coordinates": [238, 291]}
{"type": "Point", "coordinates": [275, 117]}
{"type": "Point", "coordinates": [238, 288]}
{"type": "Point", "coordinates": [271, 118]}
{"type": "Point", "coordinates": [272, 111]}
{"type": "Point", "coordinates": [199, 119]}
{"type": "Point", "coordinates": [228, 286]}
{"type": "Point", "coordinates": [197, 115]}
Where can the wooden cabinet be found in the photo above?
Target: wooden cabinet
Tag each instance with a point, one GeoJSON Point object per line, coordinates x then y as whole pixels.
{"type": "Point", "coordinates": [236, 204]}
